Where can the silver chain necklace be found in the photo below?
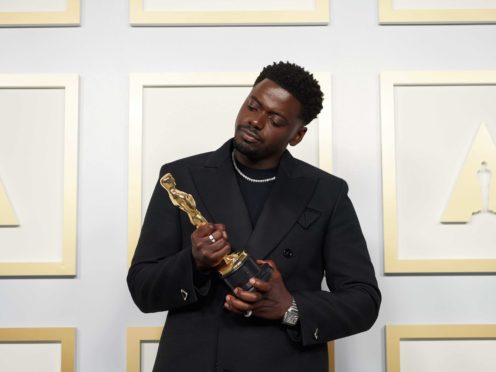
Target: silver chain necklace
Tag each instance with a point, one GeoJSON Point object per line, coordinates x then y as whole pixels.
{"type": "Point", "coordinates": [248, 178]}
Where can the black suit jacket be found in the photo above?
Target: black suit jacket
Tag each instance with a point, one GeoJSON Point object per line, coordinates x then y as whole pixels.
{"type": "Point", "coordinates": [308, 227]}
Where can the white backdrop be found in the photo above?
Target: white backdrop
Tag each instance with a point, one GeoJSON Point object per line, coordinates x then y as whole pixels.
{"type": "Point", "coordinates": [105, 50]}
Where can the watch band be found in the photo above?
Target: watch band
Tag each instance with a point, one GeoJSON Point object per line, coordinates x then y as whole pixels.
{"type": "Point", "coordinates": [291, 315]}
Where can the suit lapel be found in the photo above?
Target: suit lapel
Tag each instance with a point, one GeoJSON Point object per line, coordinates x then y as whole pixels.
{"type": "Point", "coordinates": [288, 198]}
{"type": "Point", "coordinates": [219, 192]}
{"type": "Point", "coordinates": [218, 188]}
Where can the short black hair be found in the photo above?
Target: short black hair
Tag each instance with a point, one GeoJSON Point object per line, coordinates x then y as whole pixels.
{"type": "Point", "coordinates": [300, 83]}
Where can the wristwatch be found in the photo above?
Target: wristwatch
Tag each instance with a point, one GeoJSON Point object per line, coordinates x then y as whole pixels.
{"type": "Point", "coordinates": [291, 315]}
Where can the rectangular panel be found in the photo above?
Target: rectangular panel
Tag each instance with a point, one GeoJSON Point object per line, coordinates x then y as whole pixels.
{"type": "Point", "coordinates": [39, 13]}
{"type": "Point", "coordinates": [177, 115]}
{"type": "Point", "coordinates": [21, 357]}
{"type": "Point", "coordinates": [448, 355]}
{"type": "Point", "coordinates": [38, 174]}
{"type": "Point", "coordinates": [37, 349]}
{"type": "Point", "coordinates": [437, 11]}
{"type": "Point", "coordinates": [441, 348]}
{"type": "Point", "coordinates": [142, 346]}
{"type": "Point", "coordinates": [149, 352]}
{"type": "Point", "coordinates": [437, 131]}
{"type": "Point", "coordinates": [228, 12]}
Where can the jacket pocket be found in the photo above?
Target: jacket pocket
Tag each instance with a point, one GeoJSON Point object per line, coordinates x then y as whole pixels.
{"type": "Point", "coordinates": [308, 217]}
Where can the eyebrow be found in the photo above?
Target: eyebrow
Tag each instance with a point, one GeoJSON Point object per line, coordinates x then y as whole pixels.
{"type": "Point", "coordinates": [271, 111]}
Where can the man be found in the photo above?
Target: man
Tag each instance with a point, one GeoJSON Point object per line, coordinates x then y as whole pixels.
{"type": "Point", "coordinates": [284, 212]}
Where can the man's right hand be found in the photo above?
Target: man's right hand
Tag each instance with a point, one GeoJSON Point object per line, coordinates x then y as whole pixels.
{"type": "Point", "coordinates": [209, 244]}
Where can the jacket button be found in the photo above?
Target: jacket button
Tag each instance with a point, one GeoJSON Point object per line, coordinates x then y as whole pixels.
{"type": "Point", "coordinates": [288, 253]}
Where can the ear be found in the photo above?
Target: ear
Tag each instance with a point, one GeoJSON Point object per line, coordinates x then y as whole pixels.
{"type": "Point", "coordinates": [298, 136]}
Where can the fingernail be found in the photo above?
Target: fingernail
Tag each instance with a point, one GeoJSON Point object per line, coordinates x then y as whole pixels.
{"type": "Point", "coordinates": [236, 290]}
{"type": "Point", "coordinates": [228, 298]}
{"type": "Point", "coordinates": [252, 281]}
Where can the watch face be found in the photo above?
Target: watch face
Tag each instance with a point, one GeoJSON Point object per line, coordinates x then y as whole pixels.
{"type": "Point", "coordinates": [291, 315]}
{"type": "Point", "coordinates": [290, 318]}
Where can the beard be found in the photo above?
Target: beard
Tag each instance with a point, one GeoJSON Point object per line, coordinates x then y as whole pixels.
{"type": "Point", "coordinates": [247, 149]}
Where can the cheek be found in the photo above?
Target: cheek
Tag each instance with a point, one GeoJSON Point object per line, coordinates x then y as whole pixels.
{"type": "Point", "coordinates": [239, 119]}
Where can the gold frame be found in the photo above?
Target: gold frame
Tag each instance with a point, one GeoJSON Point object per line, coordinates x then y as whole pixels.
{"type": "Point", "coordinates": [139, 17]}
{"type": "Point", "coordinates": [70, 84]}
{"type": "Point", "coordinates": [390, 80]}
{"type": "Point", "coordinates": [140, 81]}
{"type": "Point", "coordinates": [389, 15]}
{"type": "Point", "coordinates": [137, 335]}
{"type": "Point", "coordinates": [396, 333]}
{"type": "Point", "coordinates": [70, 17]}
{"type": "Point", "coordinates": [65, 336]}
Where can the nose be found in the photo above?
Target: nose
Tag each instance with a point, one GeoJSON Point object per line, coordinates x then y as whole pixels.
{"type": "Point", "coordinates": [257, 120]}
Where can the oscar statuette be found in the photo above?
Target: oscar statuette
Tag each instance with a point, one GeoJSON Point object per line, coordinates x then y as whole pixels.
{"type": "Point", "coordinates": [236, 268]}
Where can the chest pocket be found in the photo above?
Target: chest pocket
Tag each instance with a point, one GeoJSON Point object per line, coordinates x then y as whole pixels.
{"type": "Point", "coordinates": [308, 218]}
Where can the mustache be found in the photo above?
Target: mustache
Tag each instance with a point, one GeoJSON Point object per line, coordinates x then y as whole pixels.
{"type": "Point", "coordinates": [248, 128]}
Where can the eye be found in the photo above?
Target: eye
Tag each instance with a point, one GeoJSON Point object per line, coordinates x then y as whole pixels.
{"type": "Point", "coordinates": [276, 121]}
{"type": "Point", "coordinates": [252, 105]}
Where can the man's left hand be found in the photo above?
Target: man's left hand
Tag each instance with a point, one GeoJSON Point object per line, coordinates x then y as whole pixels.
{"type": "Point", "coordinates": [270, 300]}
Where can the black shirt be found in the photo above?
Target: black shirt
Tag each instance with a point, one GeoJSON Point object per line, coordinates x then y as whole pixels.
{"type": "Point", "coordinates": [255, 193]}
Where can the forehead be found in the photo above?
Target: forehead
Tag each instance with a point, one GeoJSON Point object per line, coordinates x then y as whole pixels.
{"type": "Point", "coordinates": [275, 98]}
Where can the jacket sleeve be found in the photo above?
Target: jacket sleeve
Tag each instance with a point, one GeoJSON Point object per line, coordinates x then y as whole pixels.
{"type": "Point", "coordinates": [162, 274]}
{"type": "Point", "coordinates": [352, 304]}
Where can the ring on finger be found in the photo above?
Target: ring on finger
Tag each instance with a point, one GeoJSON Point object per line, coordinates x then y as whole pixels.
{"type": "Point", "coordinates": [211, 238]}
{"type": "Point", "coordinates": [248, 313]}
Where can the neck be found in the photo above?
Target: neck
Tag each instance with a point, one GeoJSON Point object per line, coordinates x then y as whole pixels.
{"type": "Point", "coordinates": [257, 163]}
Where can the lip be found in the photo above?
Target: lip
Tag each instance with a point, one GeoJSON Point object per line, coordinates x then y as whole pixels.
{"type": "Point", "coordinates": [249, 136]}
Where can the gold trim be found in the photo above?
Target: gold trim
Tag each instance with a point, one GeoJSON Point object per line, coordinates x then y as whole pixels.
{"type": "Point", "coordinates": [389, 15]}
{"type": "Point", "coordinates": [137, 82]}
{"type": "Point", "coordinates": [69, 17]}
{"type": "Point", "coordinates": [70, 84]}
{"type": "Point", "coordinates": [396, 333]}
{"type": "Point", "coordinates": [65, 336]}
{"type": "Point", "coordinates": [331, 356]}
{"type": "Point", "coordinates": [137, 335]}
{"type": "Point", "coordinates": [390, 80]}
{"type": "Point", "coordinates": [139, 17]}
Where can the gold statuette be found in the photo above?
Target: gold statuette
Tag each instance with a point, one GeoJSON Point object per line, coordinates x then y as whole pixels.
{"type": "Point", "coordinates": [186, 203]}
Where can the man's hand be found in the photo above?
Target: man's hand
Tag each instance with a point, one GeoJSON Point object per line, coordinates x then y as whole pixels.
{"type": "Point", "coordinates": [209, 244]}
{"type": "Point", "coordinates": [270, 300]}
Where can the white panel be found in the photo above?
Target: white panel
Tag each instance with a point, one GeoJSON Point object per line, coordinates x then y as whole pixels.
{"type": "Point", "coordinates": [435, 127]}
{"type": "Point", "coordinates": [448, 356]}
{"type": "Point", "coordinates": [227, 5]}
{"type": "Point", "coordinates": [184, 121]}
{"type": "Point", "coordinates": [30, 357]}
{"type": "Point", "coordinates": [179, 122]}
{"type": "Point", "coordinates": [33, 5]}
{"type": "Point", "coordinates": [31, 163]}
{"type": "Point", "coordinates": [444, 4]}
{"type": "Point", "coordinates": [148, 355]}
